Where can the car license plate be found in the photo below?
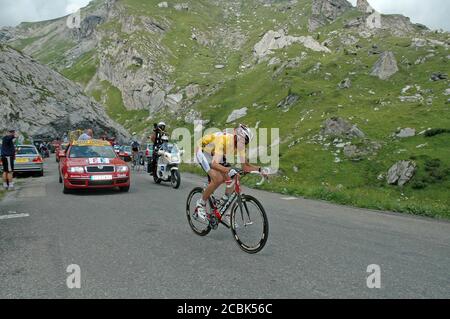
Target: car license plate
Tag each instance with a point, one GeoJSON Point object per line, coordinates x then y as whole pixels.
{"type": "Point", "coordinates": [101, 178]}
{"type": "Point", "coordinates": [22, 160]}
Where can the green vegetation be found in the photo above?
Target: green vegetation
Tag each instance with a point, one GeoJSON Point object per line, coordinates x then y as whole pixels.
{"type": "Point", "coordinates": [83, 70]}
{"type": "Point", "coordinates": [111, 97]}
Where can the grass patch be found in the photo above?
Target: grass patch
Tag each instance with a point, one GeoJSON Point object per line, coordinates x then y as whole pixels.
{"type": "Point", "coordinates": [83, 70]}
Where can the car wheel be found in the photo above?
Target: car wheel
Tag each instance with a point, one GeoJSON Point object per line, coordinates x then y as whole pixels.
{"type": "Point", "coordinates": [66, 190]}
{"type": "Point", "coordinates": [125, 189]}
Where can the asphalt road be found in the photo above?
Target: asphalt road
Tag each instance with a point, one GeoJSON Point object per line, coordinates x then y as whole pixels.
{"type": "Point", "coordinates": [139, 245]}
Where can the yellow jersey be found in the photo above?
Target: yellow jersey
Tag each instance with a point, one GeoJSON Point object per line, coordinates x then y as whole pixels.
{"type": "Point", "coordinates": [220, 145]}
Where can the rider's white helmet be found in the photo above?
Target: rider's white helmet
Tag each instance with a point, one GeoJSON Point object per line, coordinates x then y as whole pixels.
{"type": "Point", "coordinates": [245, 133]}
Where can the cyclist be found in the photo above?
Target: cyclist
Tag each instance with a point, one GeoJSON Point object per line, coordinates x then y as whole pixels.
{"type": "Point", "coordinates": [211, 153]}
{"type": "Point", "coordinates": [135, 149]}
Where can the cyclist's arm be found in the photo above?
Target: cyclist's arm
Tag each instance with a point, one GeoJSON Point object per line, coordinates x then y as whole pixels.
{"type": "Point", "coordinates": [246, 166]}
{"type": "Point", "coordinates": [250, 168]}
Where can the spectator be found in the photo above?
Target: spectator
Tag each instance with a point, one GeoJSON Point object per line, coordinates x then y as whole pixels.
{"type": "Point", "coordinates": [87, 135]}
{"type": "Point", "coordinates": [65, 138]}
{"type": "Point", "coordinates": [8, 155]}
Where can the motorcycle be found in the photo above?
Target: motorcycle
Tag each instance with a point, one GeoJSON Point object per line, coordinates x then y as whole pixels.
{"type": "Point", "coordinates": [45, 152]}
{"type": "Point", "coordinates": [167, 166]}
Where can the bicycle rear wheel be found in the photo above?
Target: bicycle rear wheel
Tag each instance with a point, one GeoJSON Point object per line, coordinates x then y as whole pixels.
{"type": "Point", "coordinates": [199, 227]}
{"type": "Point", "coordinates": [250, 226]}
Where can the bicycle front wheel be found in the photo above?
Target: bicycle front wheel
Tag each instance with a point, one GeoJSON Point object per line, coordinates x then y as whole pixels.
{"type": "Point", "coordinates": [249, 225]}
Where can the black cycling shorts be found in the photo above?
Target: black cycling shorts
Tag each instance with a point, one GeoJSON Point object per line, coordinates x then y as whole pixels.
{"type": "Point", "coordinates": [205, 160]}
{"type": "Point", "coordinates": [8, 164]}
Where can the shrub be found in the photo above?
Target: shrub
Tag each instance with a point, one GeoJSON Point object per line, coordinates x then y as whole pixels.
{"type": "Point", "coordinates": [436, 131]}
{"type": "Point", "coordinates": [419, 185]}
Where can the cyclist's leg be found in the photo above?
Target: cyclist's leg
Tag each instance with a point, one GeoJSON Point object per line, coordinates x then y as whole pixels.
{"type": "Point", "coordinates": [217, 179]}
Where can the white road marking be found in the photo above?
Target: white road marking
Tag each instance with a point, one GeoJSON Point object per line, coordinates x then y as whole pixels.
{"type": "Point", "coordinates": [10, 216]}
{"type": "Point", "coordinates": [288, 198]}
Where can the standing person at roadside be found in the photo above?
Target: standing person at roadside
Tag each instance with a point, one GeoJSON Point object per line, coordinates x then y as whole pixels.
{"type": "Point", "coordinates": [8, 154]}
{"type": "Point", "coordinates": [87, 135]}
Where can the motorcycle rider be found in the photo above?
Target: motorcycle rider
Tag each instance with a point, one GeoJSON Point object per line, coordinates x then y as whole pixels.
{"type": "Point", "coordinates": [43, 149]}
{"type": "Point", "coordinates": [211, 153]}
{"type": "Point", "coordinates": [158, 132]}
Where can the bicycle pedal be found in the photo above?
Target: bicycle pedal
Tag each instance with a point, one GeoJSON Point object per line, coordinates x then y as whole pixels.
{"type": "Point", "coordinates": [214, 222]}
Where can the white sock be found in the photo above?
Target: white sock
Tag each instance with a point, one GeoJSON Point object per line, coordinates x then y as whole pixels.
{"type": "Point", "coordinates": [201, 202]}
{"type": "Point", "coordinates": [5, 185]}
{"type": "Point", "coordinates": [11, 185]}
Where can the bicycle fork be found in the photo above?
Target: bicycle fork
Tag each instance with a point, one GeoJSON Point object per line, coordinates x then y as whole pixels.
{"type": "Point", "coordinates": [243, 205]}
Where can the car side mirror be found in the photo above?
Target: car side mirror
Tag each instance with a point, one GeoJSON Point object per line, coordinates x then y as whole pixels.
{"type": "Point", "coordinates": [182, 152]}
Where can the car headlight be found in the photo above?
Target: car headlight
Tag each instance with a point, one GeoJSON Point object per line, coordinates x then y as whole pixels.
{"type": "Point", "coordinates": [79, 170]}
{"type": "Point", "coordinates": [122, 169]}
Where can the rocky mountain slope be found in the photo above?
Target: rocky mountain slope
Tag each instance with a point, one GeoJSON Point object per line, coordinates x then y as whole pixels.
{"type": "Point", "coordinates": [361, 98]}
{"type": "Point", "coordinates": [41, 103]}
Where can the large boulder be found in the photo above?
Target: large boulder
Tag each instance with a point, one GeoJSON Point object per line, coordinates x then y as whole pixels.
{"type": "Point", "coordinates": [192, 91]}
{"type": "Point", "coordinates": [345, 84]}
{"type": "Point", "coordinates": [401, 173]}
{"type": "Point", "coordinates": [193, 116]}
{"type": "Point", "coordinates": [386, 66]}
{"type": "Point", "coordinates": [326, 11]}
{"type": "Point", "coordinates": [237, 114]}
{"type": "Point", "coordinates": [364, 6]}
{"type": "Point", "coordinates": [406, 132]}
{"type": "Point", "coordinates": [274, 40]}
{"type": "Point", "coordinates": [290, 100]}
{"type": "Point", "coordinates": [359, 152]}
{"type": "Point", "coordinates": [338, 127]}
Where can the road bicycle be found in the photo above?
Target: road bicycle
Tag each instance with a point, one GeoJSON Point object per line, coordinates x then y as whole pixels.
{"type": "Point", "coordinates": [137, 161]}
{"type": "Point", "coordinates": [242, 213]}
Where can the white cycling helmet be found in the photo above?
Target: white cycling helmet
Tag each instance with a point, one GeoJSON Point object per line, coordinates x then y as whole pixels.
{"type": "Point", "coordinates": [244, 132]}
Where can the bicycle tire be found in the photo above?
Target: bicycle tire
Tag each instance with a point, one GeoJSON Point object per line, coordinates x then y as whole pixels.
{"type": "Point", "coordinates": [265, 233]}
{"type": "Point", "coordinates": [201, 233]}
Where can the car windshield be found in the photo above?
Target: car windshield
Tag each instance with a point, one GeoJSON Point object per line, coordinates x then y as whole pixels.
{"type": "Point", "coordinates": [26, 151]}
{"type": "Point", "coordinates": [92, 151]}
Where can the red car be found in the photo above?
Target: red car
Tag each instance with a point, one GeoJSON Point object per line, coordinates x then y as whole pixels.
{"type": "Point", "coordinates": [126, 153]}
{"type": "Point", "coordinates": [93, 165]}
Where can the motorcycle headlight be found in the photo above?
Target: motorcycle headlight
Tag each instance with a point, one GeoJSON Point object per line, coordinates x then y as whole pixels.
{"type": "Point", "coordinates": [122, 169]}
{"type": "Point", "coordinates": [175, 158]}
{"type": "Point", "coordinates": [77, 170]}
